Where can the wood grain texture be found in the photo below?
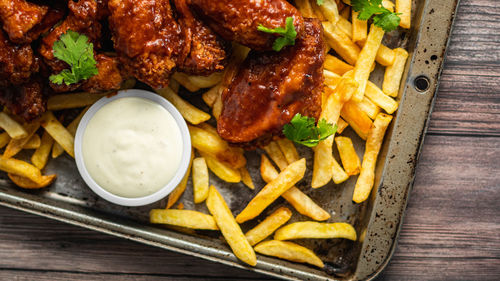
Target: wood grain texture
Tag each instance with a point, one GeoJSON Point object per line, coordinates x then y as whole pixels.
{"type": "Point", "coordinates": [452, 226]}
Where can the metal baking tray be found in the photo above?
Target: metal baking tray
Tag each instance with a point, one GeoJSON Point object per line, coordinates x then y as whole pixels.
{"type": "Point", "coordinates": [377, 221]}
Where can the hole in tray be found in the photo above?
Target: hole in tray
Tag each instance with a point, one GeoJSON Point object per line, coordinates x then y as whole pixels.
{"type": "Point", "coordinates": [422, 83]}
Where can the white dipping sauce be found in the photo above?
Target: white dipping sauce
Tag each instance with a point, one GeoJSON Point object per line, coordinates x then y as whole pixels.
{"type": "Point", "coordinates": [132, 147]}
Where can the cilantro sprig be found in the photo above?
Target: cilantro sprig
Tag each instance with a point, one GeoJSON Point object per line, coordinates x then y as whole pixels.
{"type": "Point", "coordinates": [303, 130]}
{"type": "Point", "coordinates": [76, 50]}
{"type": "Point", "coordinates": [382, 17]}
{"type": "Point", "coordinates": [288, 34]}
{"type": "Point", "coordinates": [319, 2]}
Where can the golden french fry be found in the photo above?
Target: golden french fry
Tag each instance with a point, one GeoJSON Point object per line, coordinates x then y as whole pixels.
{"type": "Point", "coordinates": [404, 8]}
{"type": "Point", "coordinates": [332, 79]}
{"type": "Point", "coordinates": [336, 65]}
{"type": "Point", "coordinates": [210, 96]}
{"type": "Point", "coordinates": [58, 132]}
{"type": "Point", "coordinates": [378, 97]}
{"type": "Point", "coordinates": [359, 29]}
{"type": "Point", "coordinates": [41, 154]}
{"type": "Point", "coordinates": [345, 26]}
{"type": "Point", "coordinates": [12, 127]}
{"type": "Point", "coordinates": [229, 228]}
{"type": "Point", "coordinates": [370, 108]}
{"type": "Point", "coordinates": [348, 156]}
{"type": "Point", "coordinates": [222, 170]}
{"type": "Point", "coordinates": [357, 119]}
{"type": "Point", "coordinates": [366, 59]}
{"type": "Point", "coordinates": [57, 149]}
{"type": "Point", "coordinates": [341, 43]}
{"type": "Point", "coordinates": [200, 180]}
{"type": "Point", "coordinates": [29, 184]}
{"type": "Point", "coordinates": [21, 168]}
{"type": "Point", "coordinates": [75, 100]}
{"type": "Point", "coordinates": [33, 143]}
{"type": "Point", "coordinates": [174, 85]}
{"type": "Point", "coordinates": [192, 114]}
{"type": "Point", "coordinates": [330, 10]}
{"type": "Point", "coordinates": [4, 139]}
{"type": "Point", "coordinates": [274, 151]}
{"type": "Point", "coordinates": [184, 80]}
{"type": "Point", "coordinates": [246, 178]}
{"type": "Point", "coordinates": [305, 8]}
{"type": "Point", "coordinates": [183, 218]}
{"type": "Point", "coordinates": [174, 196]}
{"type": "Point", "coordinates": [317, 11]}
{"type": "Point", "coordinates": [374, 141]}
{"type": "Point", "coordinates": [299, 200]}
{"type": "Point", "coordinates": [288, 251]}
{"type": "Point", "coordinates": [217, 106]}
{"type": "Point", "coordinates": [338, 174]}
{"type": "Point", "coordinates": [322, 164]}
{"type": "Point", "coordinates": [312, 229]}
{"type": "Point", "coordinates": [345, 12]}
{"type": "Point", "coordinates": [212, 144]}
{"type": "Point", "coordinates": [288, 149]}
{"type": "Point", "coordinates": [341, 125]}
{"type": "Point", "coordinates": [268, 225]}
{"type": "Point", "coordinates": [334, 103]}
{"type": "Point", "coordinates": [206, 81]}
{"type": "Point", "coordinates": [16, 145]}
{"type": "Point", "coordinates": [385, 55]}
{"type": "Point", "coordinates": [388, 5]}
{"type": "Point", "coordinates": [394, 73]}
{"type": "Point", "coordinates": [285, 180]}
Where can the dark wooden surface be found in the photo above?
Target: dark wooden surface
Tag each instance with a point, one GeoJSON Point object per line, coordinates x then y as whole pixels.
{"type": "Point", "coordinates": [452, 226]}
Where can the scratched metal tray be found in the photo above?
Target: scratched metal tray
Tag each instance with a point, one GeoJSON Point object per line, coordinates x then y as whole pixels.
{"type": "Point", "coordinates": [377, 221]}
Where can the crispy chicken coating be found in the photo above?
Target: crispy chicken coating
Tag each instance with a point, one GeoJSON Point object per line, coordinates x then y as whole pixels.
{"type": "Point", "coordinates": [17, 62]}
{"type": "Point", "coordinates": [20, 16]}
{"type": "Point", "coordinates": [27, 100]}
{"type": "Point", "coordinates": [271, 87]}
{"type": "Point", "coordinates": [237, 20]}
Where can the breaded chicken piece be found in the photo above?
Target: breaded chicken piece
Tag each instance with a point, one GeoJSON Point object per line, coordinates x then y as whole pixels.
{"type": "Point", "coordinates": [27, 100]}
{"type": "Point", "coordinates": [20, 16]}
{"type": "Point", "coordinates": [17, 62]}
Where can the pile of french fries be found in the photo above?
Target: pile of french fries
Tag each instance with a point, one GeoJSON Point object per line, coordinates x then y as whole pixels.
{"type": "Point", "coordinates": [349, 99]}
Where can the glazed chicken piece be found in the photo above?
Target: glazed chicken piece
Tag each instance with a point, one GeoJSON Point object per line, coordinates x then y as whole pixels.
{"type": "Point", "coordinates": [109, 76]}
{"type": "Point", "coordinates": [237, 20]}
{"type": "Point", "coordinates": [271, 87]}
{"type": "Point", "coordinates": [207, 52]}
{"type": "Point", "coordinates": [147, 38]}
{"type": "Point", "coordinates": [17, 62]}
{"type": "Point", "coordinates": [20, 16]}
{"type": "Point", "coordinates": [27, 100]}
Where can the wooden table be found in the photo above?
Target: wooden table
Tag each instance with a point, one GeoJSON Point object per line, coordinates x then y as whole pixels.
{"type": "Point", "coordinates": [452, 225]}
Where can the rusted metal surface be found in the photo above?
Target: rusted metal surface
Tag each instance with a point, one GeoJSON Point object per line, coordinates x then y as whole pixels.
{"type": "Point", "coordinates": [377, 221]}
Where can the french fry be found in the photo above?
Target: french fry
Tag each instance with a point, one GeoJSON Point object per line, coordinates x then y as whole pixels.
{"type": "Point", "coordinates": [374, 141]}
{"type": "Point", "coordinates": [184, 80]}
{"type": "Point", "coordinates": [288, 251]}
{"type": "Point", "coordinates": [217, 106]}
{"type": "Point", "coordinates": [299, 200]}
{"type": "Point", "coordinates": [183, 218]}
{"type": "Point", "coordinates": [385, 55]}
{"type": "Point", "coordinates": [274, 151]}
{"type": "Point", "coordinates": [378, 97]}
{"type": "Point", "coordinates": [345, 26]}
{"type": "Point", "coordinates": [221, 169]}
{"type": "Point", "coordinates": [21, 168]}
{"type": "Point", "coordinates": [332, 79]}
{"type": "Point", "coordinates": [388, 5]}
{"type": "Point", "coordinates": [345, 12]}
{"type": "Point", "coordinates": [305, 8]}
{"type": "Point", "coordinates": [330, 11]}
{"type": "Point", "coordinates": [268, 225]}
{"type": "Point", "coordinates": [285, 180]}
{"type": "Point", "coordinates": [348, 156]}
{"type": "Point", "coordinates": [341, 125]}
{"type": "Point", "coordinates": [370, 108]}
{"type": "Point", "coordinates": [4, 139]}
{"type": "Point", "coordinates": [404, 8]}
{"type": "Point", "coordinates": [394, 73]}
{"type": "Point", "coordinates": [212, 144]}
{"type": "Point", "coordinates": [206, 81]}
{"type": "Point", "coordinates": [366, 59]}
{"type": "Point", "coordinates": [334, 103]}
{"type": "Point", "coordinates": [33, 143]}
{"type": "Point", "coordinates": [58, 132]}
{"type": "Point", "coordinates": [75, 100]}
{"type": "Point", "coordinates": [210, 96]}
{"type": "Point", "coordinates": [357, 119]}
{"type": "Point", "coordinates": [336, 65]}
{"type": "Point", "coordinates": [200, 180]}
{"type": "Point", "coordinates": [174, 85]}
{"type": "Point", "coordinates": [16, 145]}
{"type": "Point", "coordinates": [322, 164]}
{"type": "Point", "coordinates": [57, 149]}
{"type": "Point", "coordinates": [29, 184]}
{"type": "Point", "coordinates": [192, 114]}
{"type": "Point", "coordinates": [246, 178]}
{"type": "Point", "coordinates": [229, 228]}
{"type": "Point", "coordinates": [341, 43]}
{"type": "Point", "coordinates": [359, 29]}
{"type": "Point", "coordinates": [317, 11]}
{"type": "Point", "coordinates": [338, 174]}
{"type": "Point", "coordinates": [12, 127]}
{"type": "Point", "coordinates": [174, 196]}
{"type": "Point", "coordinates": [41, 154]}
{"type": "Point", "coordinates": [312, 229]}
{"type": "Point", "coordinates": [288, 149]}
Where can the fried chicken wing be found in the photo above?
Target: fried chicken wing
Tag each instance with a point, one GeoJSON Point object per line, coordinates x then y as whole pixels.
{"type": "Point", "coordinates": [17, 62]}
{"type": "Point", "coordinates": [109, 76]}
{"type": "Point", "coordinates": [207, 52]}
{"type": "Point", "coordinates": [27, 100]}
{"type": "Point", "coordinates": [147, 38]}
{"type": "Point", "coordinates": [271, 87]}
{"type": "Point", "coordinates": [20, 16]}
{"type": "Point", "coordinates": [237, 20]}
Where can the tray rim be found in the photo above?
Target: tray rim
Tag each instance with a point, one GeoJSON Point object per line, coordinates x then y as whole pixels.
{"type": "Point", "coordinates": [23, 203]}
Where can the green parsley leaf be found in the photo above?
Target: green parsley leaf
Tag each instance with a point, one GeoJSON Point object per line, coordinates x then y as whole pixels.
{"type": "Point", "coordinates": [303, 130]}
{"type": "Point", "coordinates": [74, 49]}
{"type": "Point", "coordinates": [382, 17]}
{"type": "Point", "coordinates": [319, 2]}
{"type": "Point", "coordinates": [288, 34]}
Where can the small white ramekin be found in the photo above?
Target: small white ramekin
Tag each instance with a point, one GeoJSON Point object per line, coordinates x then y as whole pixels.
{"type": "Point", "coordinates": [164, 191]}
